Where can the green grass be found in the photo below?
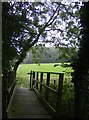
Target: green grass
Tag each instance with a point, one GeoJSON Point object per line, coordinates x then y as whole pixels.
{"type": "Point", "coordinates": [23, 69]}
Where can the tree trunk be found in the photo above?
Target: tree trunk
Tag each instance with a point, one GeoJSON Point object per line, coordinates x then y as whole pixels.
{"type": "Point", "coordinates": [17, 64]}
{"type": "Point", "coordinates": [81, 69]}
{"type": "Point", "coordinates": [81, 100]}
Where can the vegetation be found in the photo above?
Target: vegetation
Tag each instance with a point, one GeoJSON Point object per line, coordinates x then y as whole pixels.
{"type": "Point", "coordinates": [30, 26]}
{"type": "Point", "coordinates": [57, 23]}
{"type": "Point", "coordinates": [38, 23]}
{"type": "Point", "coordinates": [39, 54]}
{"type": "Point", "coordinates": [81, 68]}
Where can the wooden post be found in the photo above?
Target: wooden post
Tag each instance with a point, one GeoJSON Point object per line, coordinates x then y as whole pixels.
{"type": "Point", "coordinates": [33, 79]}
{"type": "Point", "coordinates": [4, 94]}
{"type": "Point", "coordinates": [33, 74]}
{"type": "Point", "coordinates": [54, 82]}
{"type": "Point", "coordinates": [59, 95]}
{"type": "Point", "coordinates": [41, 79]}
{"type": "Point", "coordinates": [37, 80]}
{"type": "Point", "coordinates": [30, 79]}
{"type": "Point", "coordinates": [47, 83]}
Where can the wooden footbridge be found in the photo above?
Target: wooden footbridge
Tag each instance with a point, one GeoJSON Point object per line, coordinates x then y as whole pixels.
{"type": "Point", "coordinates": [40, 100]}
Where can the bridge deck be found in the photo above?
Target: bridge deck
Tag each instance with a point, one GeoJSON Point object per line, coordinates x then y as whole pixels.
{"type": "Point", "coordinates": [26, 104]}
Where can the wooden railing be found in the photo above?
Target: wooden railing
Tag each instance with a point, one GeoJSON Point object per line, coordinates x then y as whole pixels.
{"type": "Point", "coordinates": [37, 83]}
{"type": "Point", "coordinates": [8, 84]}
{"type": "Point", "coordinates": [11, 82]}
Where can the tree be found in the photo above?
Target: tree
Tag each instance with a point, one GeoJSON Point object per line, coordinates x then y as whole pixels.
{"type": "Point", "coordinates": [40, 54]}
{"type": "Point", "coordinates": [23, 32]}
{"type": "Point", "coordinates": [81, 68]}
{"type": "Point", "coordinates": [12, 28]}
{"type": "Point", "coordinates": [30, 23]}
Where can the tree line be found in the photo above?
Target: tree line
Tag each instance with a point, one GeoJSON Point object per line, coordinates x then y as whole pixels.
{"type": "Point", "coordinates": [48, 55]}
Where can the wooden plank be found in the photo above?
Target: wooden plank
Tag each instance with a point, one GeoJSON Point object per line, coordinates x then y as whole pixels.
{"type": "Point", "coordinates": [25, 104]}
{"type": "Point", "coordinates": [53, 90]}
{"type": "Point", "coordinates": [50, 72]}
{"type": "Point", "coordinates": [48, 106]}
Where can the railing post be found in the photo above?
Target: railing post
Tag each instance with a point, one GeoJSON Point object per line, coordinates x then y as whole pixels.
{"type": "Point", "coordinates": [54, 82]}
{"type": "Point", "coordinates": [33, 80]}
{"type": "Point", "coordinates": [4, 94]}
{"type": "Point", "coordinates": [59, 95]}
{"type": "Point", "coordinates": [47, 83]}
{"type": "Point", "coordinates": [41, 79]}
{"type": "Point", "coordinates": [37, 80]}
{"type": "Point", "coordinates": [30, 79]}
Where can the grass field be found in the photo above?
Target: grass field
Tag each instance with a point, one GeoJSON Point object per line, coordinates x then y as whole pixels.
{"type": "Point", "coordinates": [23, 69]}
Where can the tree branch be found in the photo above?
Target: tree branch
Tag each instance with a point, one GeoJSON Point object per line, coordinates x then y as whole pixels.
{"type": "Point", "coordinates": [55, 29]}
{"type": "Point", "coordinates": [49, 21]}
{"type": "Point", "coordinates": [28, 46]}
{"type": "Point", "coordinates": [71, 14]}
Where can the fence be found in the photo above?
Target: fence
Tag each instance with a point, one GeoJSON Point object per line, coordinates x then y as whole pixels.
{"type": "Point", "coordinates": [8, 84]}
{"type": "Point", "coordinates": [37, 83]}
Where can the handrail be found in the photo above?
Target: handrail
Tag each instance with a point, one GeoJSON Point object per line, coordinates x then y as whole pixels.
{"type": "Point", "coordinates": [34, 77]}
{"type": "Point", "coordinates": [55, 91]}
{"type": "Point", "coordinates": [8, 84]}
{"type": "Point", "coordinates": [49, 72]}
{"type": "Point", "coordinates": [11, 86]}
